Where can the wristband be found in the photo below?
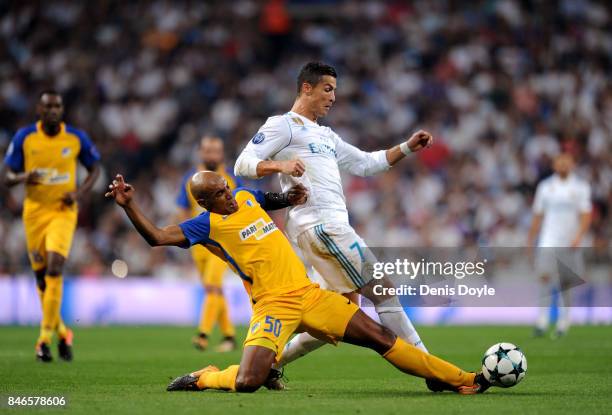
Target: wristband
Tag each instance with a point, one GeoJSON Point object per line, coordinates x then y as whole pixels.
{"type": "Point", "coordinates": [405, 149]}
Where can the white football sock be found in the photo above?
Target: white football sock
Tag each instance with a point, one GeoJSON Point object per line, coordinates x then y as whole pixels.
{"type": "Point", "coordinates": [544, 300]}
{"type": "Point", "coordinates": [393, 317]}
{"type": "Point", "coordinates": [299, 346]}
{"type": "Point", "coordinates": [563, 318]}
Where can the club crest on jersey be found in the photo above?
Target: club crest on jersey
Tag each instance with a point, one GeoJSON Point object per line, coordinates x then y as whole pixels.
{"type": "Point", "coordinates": [66, 151]}
{"type": "Point", "coordinates": [259, 229]}
{"type": "Point", "coordinates": [258, 138]}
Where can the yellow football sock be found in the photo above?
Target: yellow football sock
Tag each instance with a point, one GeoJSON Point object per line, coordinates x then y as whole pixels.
{"type": "Point", "coordinates": [210, 312]}
{"type": "Point", "coordinates": [52, 301]}
{"type": "Point", "coordinates": [225, 324]}
{"type": "Point", "coordinates": [41, 295]}
{"type": "Point", "coordinates": [224, 380]}
{"type": "Point", "coordinates": [414, 361]}
{"type": "Point", "coordinates": [61, 329]}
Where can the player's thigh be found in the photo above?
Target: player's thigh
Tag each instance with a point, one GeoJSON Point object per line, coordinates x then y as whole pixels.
{"type": "Point", "coordinates": [273, 322]}
{"type": "Point", "coordinates": [545, 262]}
{"type": "Point", "coordinates": [327, 314]}
{"type": "Point", "coordinates": [60, 232]}
{"type": "Point", "coordinates": [339, 255]}
{"type": "Point", "coordinates": [199, 254]}
{"type": "Point", "coordinates": [35, 234]}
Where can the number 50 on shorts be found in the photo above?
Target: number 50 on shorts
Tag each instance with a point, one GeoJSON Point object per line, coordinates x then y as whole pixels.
{"type": "Point", "coordinates": [272, 325]}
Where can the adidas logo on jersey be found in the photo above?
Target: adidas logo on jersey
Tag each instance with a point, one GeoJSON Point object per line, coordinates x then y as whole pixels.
{"type": "Point", "coordinates": [259, 229]}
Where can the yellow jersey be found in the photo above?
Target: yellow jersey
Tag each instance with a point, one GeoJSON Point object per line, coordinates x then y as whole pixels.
{"type": "Point", "coordinates": [185, 199]}
{"type": "Point", "coordinates": [252, 245]}
{"type": "Point", "coordinates": [55, 157]}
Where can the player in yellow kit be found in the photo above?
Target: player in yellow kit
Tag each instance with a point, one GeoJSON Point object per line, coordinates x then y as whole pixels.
{"type": "Point", "coordinates": [44, 156]}
{"type": "Point", "coordinates": [236, 227]}
{"type": "Point", "coordinates": [211, 269]}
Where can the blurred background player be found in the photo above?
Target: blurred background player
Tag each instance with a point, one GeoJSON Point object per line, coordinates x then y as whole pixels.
{"type": "Point", "coordinates": [562, 209]}
{"type": "Point", "coordinates": [295, 145]}
{"type": "Point", "coordinates": [210, 267]}
{"type": "Point", "coordinates": [44, 156]}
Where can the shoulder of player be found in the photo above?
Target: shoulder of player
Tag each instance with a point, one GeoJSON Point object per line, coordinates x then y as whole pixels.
{"type": "Point", "coordinates": [581, 183]}
{"type": "Point", "coordinates": [546, 182]}
{"type": "Point", "coordinates": [202, 218]}
{"type": "Point", "coordinates": [23, 132]}
{"type": "Point", "coordinates": [80, 134]}
{"type": "Point", "coordinates": [242, 192]}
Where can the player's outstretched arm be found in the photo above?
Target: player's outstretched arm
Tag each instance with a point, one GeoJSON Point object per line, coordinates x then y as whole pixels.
{"type": "Point", "coordinates": [364, 163]}
{"type": "Point", "coordinates": [123, 194]}
{"type": "Point", "coordinates": [417, 141]}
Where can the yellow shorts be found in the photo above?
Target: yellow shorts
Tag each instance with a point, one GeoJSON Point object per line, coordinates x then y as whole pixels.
{"type": "Point", "coordinates": [323, 314]}
{"type": "Point", "coordinates": [210, 267]}
{"type": "Point", "coordinates": [49, 231]}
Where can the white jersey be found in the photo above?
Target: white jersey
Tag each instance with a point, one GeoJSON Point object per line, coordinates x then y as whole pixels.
{"type": "Point", "coordinates": [291, 136]}
{"type": "Point", "coordinates": [561, 202]}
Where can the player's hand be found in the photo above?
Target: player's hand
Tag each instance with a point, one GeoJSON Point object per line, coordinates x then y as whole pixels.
{"type": "Point", "coordinates": [34, 178]}
{"type": "Point", "coordinates": [295, 168]}
{"type": "Point", "coordinates": [297, 195]}
{"type": "Point", "coordinates": [419, 140]}
{"type": "Point", "coordinates": [69, 198]}
{"type": "Point", "coordinates": [121, 191]}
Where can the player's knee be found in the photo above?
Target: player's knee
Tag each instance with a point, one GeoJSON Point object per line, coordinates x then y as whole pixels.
{"type": "Point", "coordinates": [248, 383]}
{"type": "Point", "coordinates": [54, 271]}
{"type": "Point", "coordinates": [54, 267]}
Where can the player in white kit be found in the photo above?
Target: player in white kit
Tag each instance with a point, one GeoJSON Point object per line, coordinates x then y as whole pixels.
{"type": "Point", "coordinates": [562, 209]}
{"type": "Point", "coordinates": [303, 151]}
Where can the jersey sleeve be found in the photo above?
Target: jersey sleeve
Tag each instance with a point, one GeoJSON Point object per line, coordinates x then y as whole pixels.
{"type": "Point", "coordinates": [584, 203]}
{"type": "Point", "coordinates": [197, 229]}
{"type": "Point", "coordinates": [538, 201]}
{"type": "Point", "coordinates": [359, 162]}
{"type": "Point", "coordinates": [271, 138]}
{"type": "Point", "coordinates": [88, 156]}
{"type": "Point", "coordinates": [257, 194]}
{"type": "Point", "coordinates": [14, 155]}
{"type": "Point", "coordinates": [182, 199]}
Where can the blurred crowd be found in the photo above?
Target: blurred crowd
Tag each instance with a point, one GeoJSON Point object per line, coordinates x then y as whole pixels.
{"type": "Point", "coordinates": [504, 86]}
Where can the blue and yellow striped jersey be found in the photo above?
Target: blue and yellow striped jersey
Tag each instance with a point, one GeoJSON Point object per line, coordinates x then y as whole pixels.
{"type": "Point", "coordinates": [252, 245]}
{"type": "Point", "coordinates": [186, 201]}
{"type": "Point", "coordinates": [55, 157]}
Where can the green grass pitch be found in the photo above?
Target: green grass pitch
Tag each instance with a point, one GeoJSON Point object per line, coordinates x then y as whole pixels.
{"type": "Point", "coordinates": [126, 370]}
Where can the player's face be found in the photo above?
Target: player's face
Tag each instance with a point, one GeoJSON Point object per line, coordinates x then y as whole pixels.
{"type": "Point", "coordinates": [323, 95]}
{"type": "Point", "coordinates": [211, 153]}
{"type": "Point", "coordinates": [221, 199]}
{"type": "Point", "coordinates": [51, 109]}
{"type": "Point", "coordinates": [563, 165]}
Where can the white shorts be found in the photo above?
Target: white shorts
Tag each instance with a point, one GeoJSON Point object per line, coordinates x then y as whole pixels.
{"type": "Point", "coordinates": [341, 258]}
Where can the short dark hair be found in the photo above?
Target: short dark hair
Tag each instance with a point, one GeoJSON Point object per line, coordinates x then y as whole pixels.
{"type": "Point", "coordinates": [48, 92]}
{"type": "Point", "coordinates": [312, 73]}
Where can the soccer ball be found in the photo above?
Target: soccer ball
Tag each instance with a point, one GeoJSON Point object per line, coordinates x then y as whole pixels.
{"type": "Point", "coordinates": [504, 364]}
